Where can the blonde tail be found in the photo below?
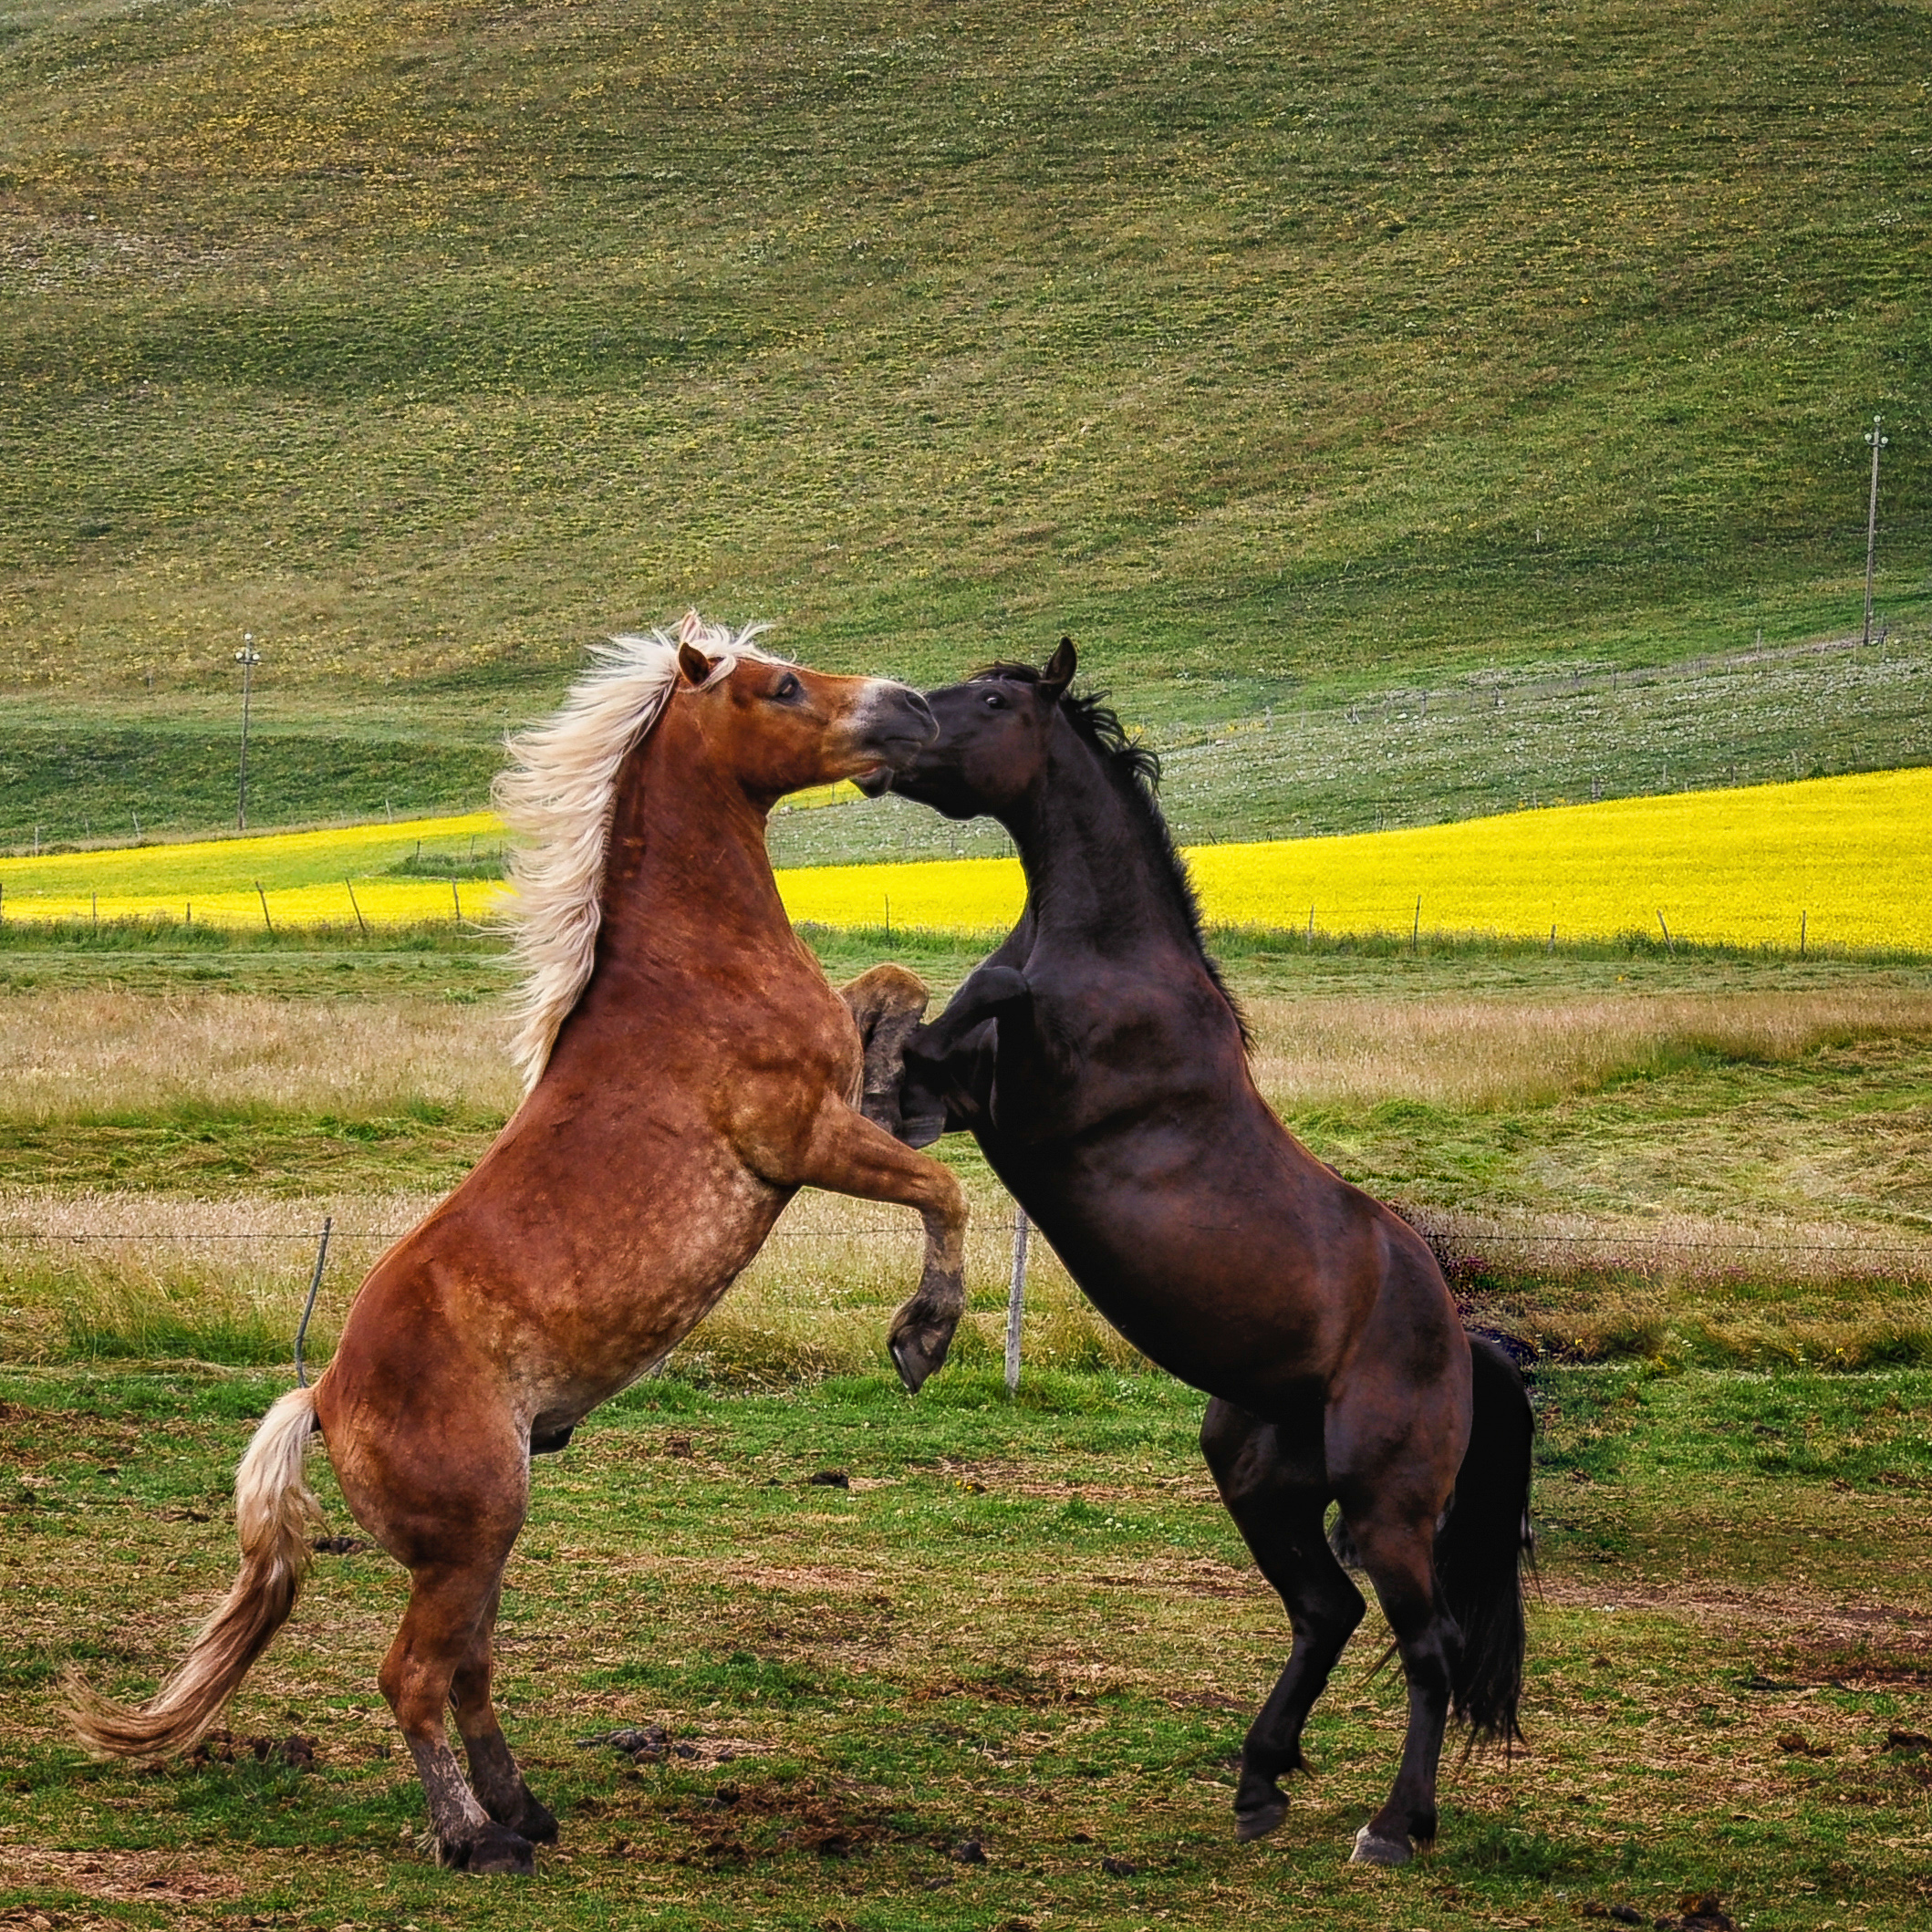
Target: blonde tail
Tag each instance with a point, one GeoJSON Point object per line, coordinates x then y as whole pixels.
{"type": "Point", "coordinates": [274, 1513]}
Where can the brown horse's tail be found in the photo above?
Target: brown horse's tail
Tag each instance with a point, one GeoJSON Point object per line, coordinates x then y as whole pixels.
{"type": "Point", "coordinates": [1485, 1546]}
{"type": "Point", "coordinates": [274, 1512]}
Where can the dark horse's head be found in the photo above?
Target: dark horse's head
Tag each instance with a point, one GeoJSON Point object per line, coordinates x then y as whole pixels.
{"type": "Point", "coordinates": [995, 732]}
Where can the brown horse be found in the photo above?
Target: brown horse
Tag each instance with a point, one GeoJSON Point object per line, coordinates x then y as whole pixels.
{"type": "Point", "coordinates": [1102, 1066]}
{"type": "Point", "coordinates": [690, 1069]}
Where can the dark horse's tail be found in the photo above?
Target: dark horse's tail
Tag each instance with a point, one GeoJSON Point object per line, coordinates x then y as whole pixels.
{"type": "Point", "coordinates": [1484, 1546]}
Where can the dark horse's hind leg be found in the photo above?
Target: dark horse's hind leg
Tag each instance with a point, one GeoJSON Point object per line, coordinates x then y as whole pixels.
{"type": "Point", "coordinates": [494, 1775]}
{"type": "Point", "coordinates": [1277, 1493]}
{"type": "Point", "coordinates": [1397, 1543]}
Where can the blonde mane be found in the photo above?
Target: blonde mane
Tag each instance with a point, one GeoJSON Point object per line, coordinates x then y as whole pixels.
{"type": "Point", "coordinates": [558, 798]}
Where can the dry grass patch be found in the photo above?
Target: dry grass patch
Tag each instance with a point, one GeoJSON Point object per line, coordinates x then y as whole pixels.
{"type": "Point", "coordinates": [157, 1275]}
{"type": "Point", "coordinates": [108, 1053]}
{"type": "Point", "coordinates": [1476, 1054]}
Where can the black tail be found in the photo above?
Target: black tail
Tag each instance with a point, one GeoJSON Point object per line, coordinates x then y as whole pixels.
{"type": "Point", "coordinates": [1485, 1546]}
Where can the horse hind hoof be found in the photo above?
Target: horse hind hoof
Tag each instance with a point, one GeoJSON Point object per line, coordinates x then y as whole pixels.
{"type": "Point", "coordinates": [1252, 1821]}
{"type": "Point", "coordinates": [494, 1851]}
{"type": "Point", "coordinates": [538, 1822]}
{"type": "Point", "coordinates": [1373, 1849]}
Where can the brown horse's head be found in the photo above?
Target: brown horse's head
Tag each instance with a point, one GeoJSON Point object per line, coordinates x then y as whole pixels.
{"type": "Point", "coordinates": [994, 735]}
{"type": "Point", "coordinates": [778, 728]}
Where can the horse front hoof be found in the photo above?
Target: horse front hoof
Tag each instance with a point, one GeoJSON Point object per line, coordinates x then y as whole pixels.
{"type": "Point", "coordinates": [1256, 1816]}
{"type": "Point", "coordinates": [493, 1850]}
{"type": "Point", "coordinates": [1371, 1849]}
{"type": "Point", "coordinates": [917, 1352]}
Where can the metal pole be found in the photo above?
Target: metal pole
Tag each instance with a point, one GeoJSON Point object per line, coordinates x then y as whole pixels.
{"type": "Point", "coordinates": [315, 1284]}
{"type": "Point", "coordinates": [1016, 1299]}
{"type": "Point", "coordinates": [247, 658]}
{"type": "Point", "coordinates": [1871, 521]}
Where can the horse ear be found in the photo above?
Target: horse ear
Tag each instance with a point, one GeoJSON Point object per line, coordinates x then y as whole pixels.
{"type": "Point", "coordinates": [695, 665]}
{"type": "Point", "coordinates": [1060, 668]}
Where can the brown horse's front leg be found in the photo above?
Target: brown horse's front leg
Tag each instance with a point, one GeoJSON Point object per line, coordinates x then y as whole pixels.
{"type": "Point", "coordinates": [849, 1155]}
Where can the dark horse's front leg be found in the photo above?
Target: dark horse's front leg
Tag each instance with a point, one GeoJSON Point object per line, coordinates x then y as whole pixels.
{"type": "Point", "coordinates": [947, 1084]}
{"type": "Point", "coordinates": [887, 1004]}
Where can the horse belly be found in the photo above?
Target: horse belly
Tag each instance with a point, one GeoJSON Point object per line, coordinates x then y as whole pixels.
{"type": "Point", "coordinates": [1237, 1291]}
{"type": "Point", "coordinates": [509, 1300]}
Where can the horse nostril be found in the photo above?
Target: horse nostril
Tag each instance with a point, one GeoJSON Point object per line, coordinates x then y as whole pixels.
{"type": "Point", "coordinates": [922, 712]}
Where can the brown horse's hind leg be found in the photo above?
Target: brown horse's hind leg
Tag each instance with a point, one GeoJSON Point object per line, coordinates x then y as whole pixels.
{"type": "Point", "coordinates": [1277, 1497]}
{"type": "Point", "coordinates": [449, 1610]}
{"type": "Point", "coordinates": [494, 1775]}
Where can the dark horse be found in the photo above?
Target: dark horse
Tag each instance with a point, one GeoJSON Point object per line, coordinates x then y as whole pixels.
{"type": "Point", "coordinates": [1103, 1068]}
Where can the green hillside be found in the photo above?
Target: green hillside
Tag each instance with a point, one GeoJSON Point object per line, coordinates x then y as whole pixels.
{"type": "Point", "coordinates": [1332, 346]}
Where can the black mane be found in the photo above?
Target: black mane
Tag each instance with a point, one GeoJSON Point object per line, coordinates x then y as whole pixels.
{"type": "Point", "coordinates": [1135, 769]}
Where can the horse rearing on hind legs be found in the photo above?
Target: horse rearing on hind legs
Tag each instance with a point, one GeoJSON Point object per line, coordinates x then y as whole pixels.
{"type": "Point", "coordinates": [689, 1069]}
{"type": "Point", "coordinates": [1103, 1068]}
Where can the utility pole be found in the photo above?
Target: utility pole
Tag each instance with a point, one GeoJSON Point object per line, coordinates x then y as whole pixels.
{"type": "Point", "coordinates": [248, 657]}
{"type": "Point", "coordinates": [1871, 522]}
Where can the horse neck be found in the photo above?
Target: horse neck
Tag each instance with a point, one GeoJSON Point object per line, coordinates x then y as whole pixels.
{"type": "Point", "coordinates": [686, 878]}
{"type": "Point", "coordinates": [1096, 867]}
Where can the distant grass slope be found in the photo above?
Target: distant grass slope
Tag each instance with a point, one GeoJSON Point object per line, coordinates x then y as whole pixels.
{"type": "Point", "coordinates": [425, 341]}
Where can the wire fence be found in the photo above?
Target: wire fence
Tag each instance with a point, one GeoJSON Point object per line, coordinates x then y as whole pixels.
{"type": "Point", "coordinates": [1613, 1253]}
{"type": "Point", "coordinates": [1488, 1237]}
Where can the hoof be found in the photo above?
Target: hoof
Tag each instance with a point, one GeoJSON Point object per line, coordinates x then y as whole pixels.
{"type": "Point", "coordinates": [494, 1849]}
{"type": "Point", "coordinates": [1370, 1849]}
{"type": "Point", "coordinates": [1257, 1820]}
{"type": "Point", "coordinates": [917, 1352]}
{"type": "Point", "coordinates": [538, 1822]}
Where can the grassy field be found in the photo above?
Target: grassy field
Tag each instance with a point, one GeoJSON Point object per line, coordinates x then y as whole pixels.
{"type": "Point", "coordinates": [1692, 1182]}
{"type": "Point", "coordinates": [1024, 1627]}
{"type": "Point", "coordinates": [1284, 358]}
{"type": "Point", "coordinates": [1241, 761]}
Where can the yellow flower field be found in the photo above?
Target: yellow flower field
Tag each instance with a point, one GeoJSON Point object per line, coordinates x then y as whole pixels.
{"type": "Point", "coordinates": [1847, 856]}
{"type": "Point", "coordinates": [304, 876]}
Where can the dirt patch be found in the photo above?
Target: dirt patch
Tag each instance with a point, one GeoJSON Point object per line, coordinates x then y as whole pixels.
{"type": "Point", "coordinates": [151, 1877]}
{"type": "Point", "coordinates": [1795, 1615]}
{"type": "Point", "coordinates": [1200, 1576]}
{"type": "Point", "coordinates": [1022, 1686]}
{"type": "Point", "coordinates": [746, 1819]}
{"type": "Point", "coordinates": [658, 1744]}
{"type": "Point", "coordinates": [1208, 1700]}
{"type": "Point", "coordinates": [824, 1579]}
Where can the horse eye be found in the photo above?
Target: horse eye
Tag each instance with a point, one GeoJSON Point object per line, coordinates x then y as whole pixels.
{"type": "Point", "coordinates": [994, 703]}
{"type": "Point", "coordinates": [788, 688]}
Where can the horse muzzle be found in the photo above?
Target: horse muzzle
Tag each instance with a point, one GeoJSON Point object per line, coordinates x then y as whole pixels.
{"type": "Point", "coordinates": [895, 726]}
